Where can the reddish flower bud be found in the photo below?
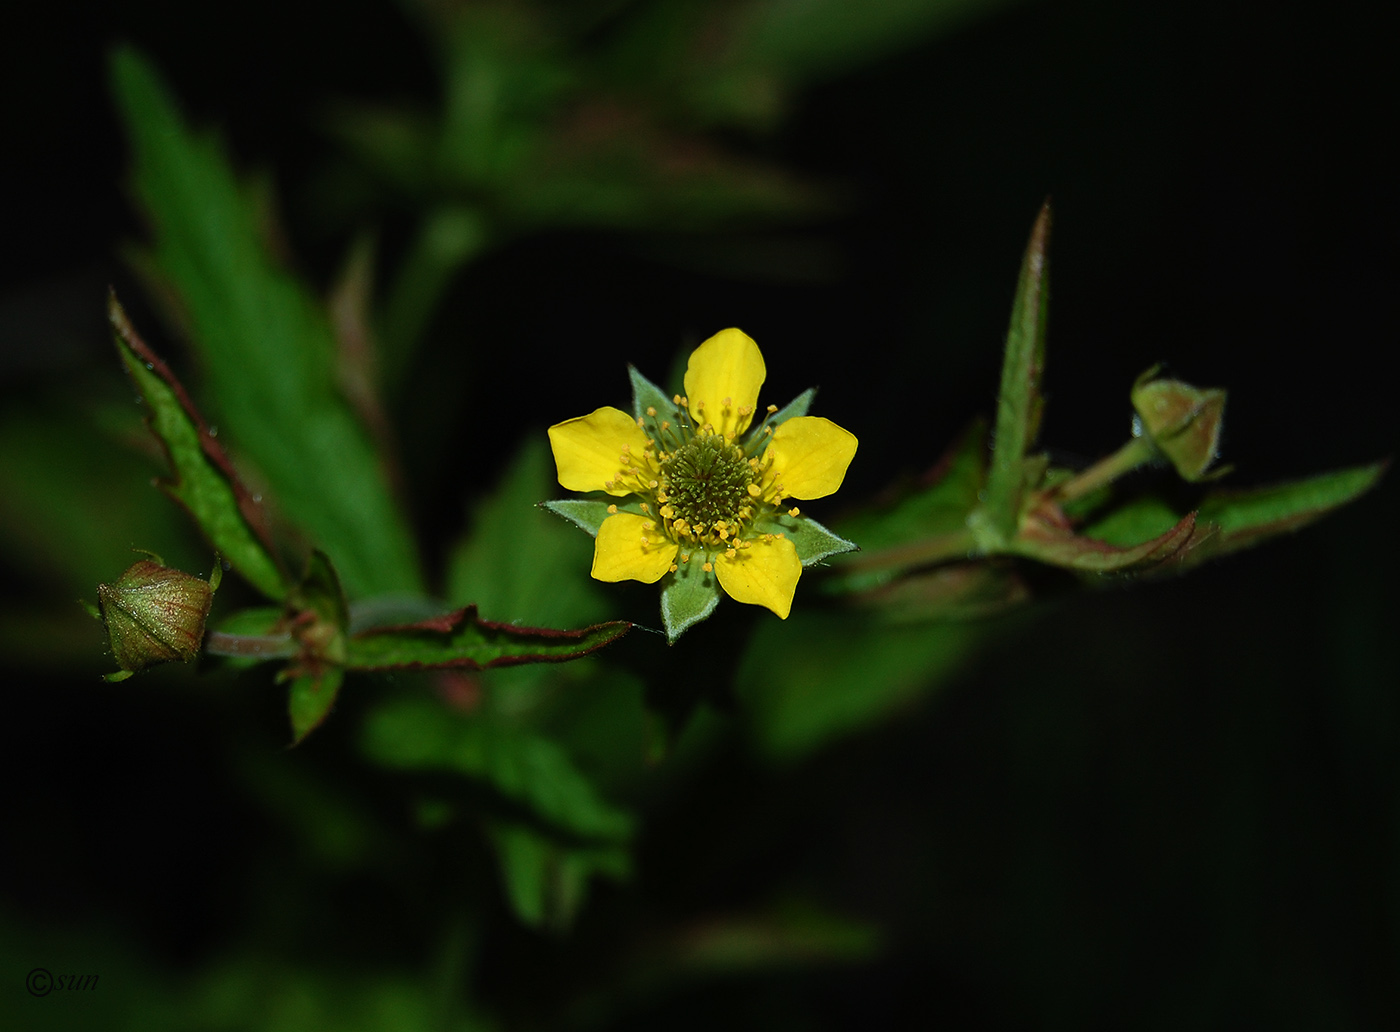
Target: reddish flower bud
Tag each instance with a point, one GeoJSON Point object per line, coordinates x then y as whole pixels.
{"type": "Point", "coordinates": [154, 614]}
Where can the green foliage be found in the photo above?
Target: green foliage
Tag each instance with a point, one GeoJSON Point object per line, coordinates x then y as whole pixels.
{"type": "Point", "coordinates": [205, 482]}
{"type": "Point", "coordinates": [266, 345]}
{"type": "Point", "coordinates": [462, 639]}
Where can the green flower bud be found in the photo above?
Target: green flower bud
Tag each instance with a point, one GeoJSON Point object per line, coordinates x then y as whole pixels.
{"type": "Point", "coordinates": [154, 614]}
{"type": "Point", "coordinates": [1182, 421]}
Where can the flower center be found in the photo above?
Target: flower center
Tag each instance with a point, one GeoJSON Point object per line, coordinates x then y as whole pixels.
{"type": "Point", "coordinates": [706, 480]}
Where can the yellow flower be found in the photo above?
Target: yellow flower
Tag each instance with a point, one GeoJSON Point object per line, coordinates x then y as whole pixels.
{"type": "Point", "coordinates": [699, 485]}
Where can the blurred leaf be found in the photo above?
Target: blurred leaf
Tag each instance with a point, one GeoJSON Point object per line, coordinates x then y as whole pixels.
{"type": "Point", "coordinates": [1019, 402]}
{"type": "Point", "coordinates": [1228, 521]}
{"type": "Point", "coordinates": [1047, 536]}
{"type": "Point", "coordinates": [267, 346]}
{"type": "Point", "coordinates": [58, 466]}
{"type": "Point", "coordinates": [519, 564]}
{"type": "Point", "coordinates": [920, 524]}
{"type": "Point", "coordinates": [310, 700]}
{"type": "Point", "coordinates": [205, 482]}
{"type": "Point", "coordinates": [820, 675]}
{"type": "Point", "coordinates": [525, 768]}
{"type": "Point", "coordinates": [546, 880]}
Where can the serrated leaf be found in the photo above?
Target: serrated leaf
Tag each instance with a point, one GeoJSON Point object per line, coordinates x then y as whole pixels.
{"type": "Point", "coordinates": [525, 768]}
{"type": "Point", "coordinates": [812, 541]}
{"type": "Point", "coordinates": [1019, 401]}
{"type": "Point", "coordinates": [265, 342]}
{"type": "Point", "coordinates": [687, 596]}
{"type": "Point", "coordinates": [1045, 536]}
{"type": "Point", "coordinates": [546, 880]}
{"type": "Point", "coordinates": [1227, 521]}
{"type": "Point", "coordinates": [205, 482]}
{"type": "Point", "coordinates": [463, 639]}
{"type": "Point", "coordinates": [310, 699]}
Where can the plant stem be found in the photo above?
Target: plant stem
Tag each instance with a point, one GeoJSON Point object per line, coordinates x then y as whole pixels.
{"type": "Point", "coordinates": [1134, 453]}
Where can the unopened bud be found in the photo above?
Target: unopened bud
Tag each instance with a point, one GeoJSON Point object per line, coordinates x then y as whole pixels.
{"type": "Point", "coordinates": [154, 614]}
{"type": "Point", "coordinates": [1181, 420]}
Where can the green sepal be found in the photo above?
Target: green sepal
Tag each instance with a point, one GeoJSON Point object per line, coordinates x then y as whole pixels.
{"type": "Point", "coordinates": [204, 480]}
{"type": "Point", "coordinates": [585, 513]}
{"type": "Point", "coordinates": [646, 394]}
{"type": "Point", "coordinates": [757, 440]}
{"type": "Point", "coordinates": [798, 406]}
{"type": "Point", "coordinates": [310, 700]}
{"type": "Point", "coordinates": [463, 639]}
{"type": "Point", "coordinates": [689, 595]}
{"type": "Point", "coordinates": [812, 541]}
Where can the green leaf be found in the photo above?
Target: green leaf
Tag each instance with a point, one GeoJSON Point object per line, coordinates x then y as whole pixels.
{"type": "Point", "coordinates": [266, 343]}
{"type": "Point", "coordinates": [820, 675]}
{"type": "Point", "coordinates": [546, 880]}
{"type": "Point", "coordinates": [812, 541]}
{"type": "Point", "coordinates": [1227, 521]}
{"type": "Point", "coordinates": [922, 523]}
{"type": "Point", "coordinates": [462, 639]}
{"type": "Point", "coordinates": [520, 564]}
{"type": "Point", "coordinates": [527, 769]}
{"type": "Point", "coordinates": [1019, 402]}
{"type": "Point", "coordinates": [1054, 542]}
{"type": "Point", "coordinates": [687, 596]}
{"type": "Point", "coordinates": [205, 482]}
{"type": "Point", "coordinates": [310, 699]}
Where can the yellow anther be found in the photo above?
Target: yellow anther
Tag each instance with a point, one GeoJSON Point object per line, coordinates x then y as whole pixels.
{"type": "Point", "coordinates": [646, 508]}
{"type": "Point", "coordinates": [651, 410]}
{"type": "Point", "coordinates": [685, 558]}
{"type": "Point", "coordinates": [754, 490]}
{"type": "Point", "coordinates": [731, 553]}
{"type": "Point", "coordinates": [682, 401]}
{"type": "Point", "coordinates": [626, 449]}
{"type": "Point", "coordinates": [668, 512]}
{"type": "Point", "coordinates": [768, 431]}
{"type": "Point", "coordinates": [728, 402]}
{"type": "Point", "coordinates": [674, 567]}
{"type": "Point", "coordinates": [793, 511]}
{"type": "Point", "coordinates": [699, 528]}
{"type": "Point", "coordinates": [653, 484]}
{"type": "Point", "coordinates": [612, 510]}
{"type": "Point", "coordinates": [772, 409]}
{"type": "Point", "coordinates": [707, 567]}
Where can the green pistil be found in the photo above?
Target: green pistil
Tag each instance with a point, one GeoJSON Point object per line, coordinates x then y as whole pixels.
{"type": "Point", "coordinates": [706, 480]}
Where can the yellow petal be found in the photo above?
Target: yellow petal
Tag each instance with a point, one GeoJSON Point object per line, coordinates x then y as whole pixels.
{"type": "Point", "coordinates": [765, 574]}
{"type": "Point", "coordinates": [810, 455]}
{"type": "Point", "coordinates": [619, 552]}
{"type": "Point", "coordinates": [588, 449]}
{"type": "Point", "coordinates": [727, 366]}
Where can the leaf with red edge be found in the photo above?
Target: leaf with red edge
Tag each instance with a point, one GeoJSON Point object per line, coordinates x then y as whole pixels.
{"type": "Point", "coordinates": [463, 639]}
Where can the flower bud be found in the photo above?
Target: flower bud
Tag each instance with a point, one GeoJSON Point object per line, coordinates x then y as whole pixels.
{"type": "Point", "coordinates": [1182, 421]}
{"type": "Point", "coordinates": [154, 614]}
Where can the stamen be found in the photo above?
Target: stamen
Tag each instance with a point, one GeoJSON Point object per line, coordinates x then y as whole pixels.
{"type": "Point", "coordinates": [651, 410]}
{"type": "Point", "coordinates": [794, 511]}
{"type": "Point", "coordinates": [612, 510]}
{"type": "Point", "coordinates": [707, 567]}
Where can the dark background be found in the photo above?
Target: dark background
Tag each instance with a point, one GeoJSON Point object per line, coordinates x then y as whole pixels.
{"type": "Point", "coordinates": [1140, 809]}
